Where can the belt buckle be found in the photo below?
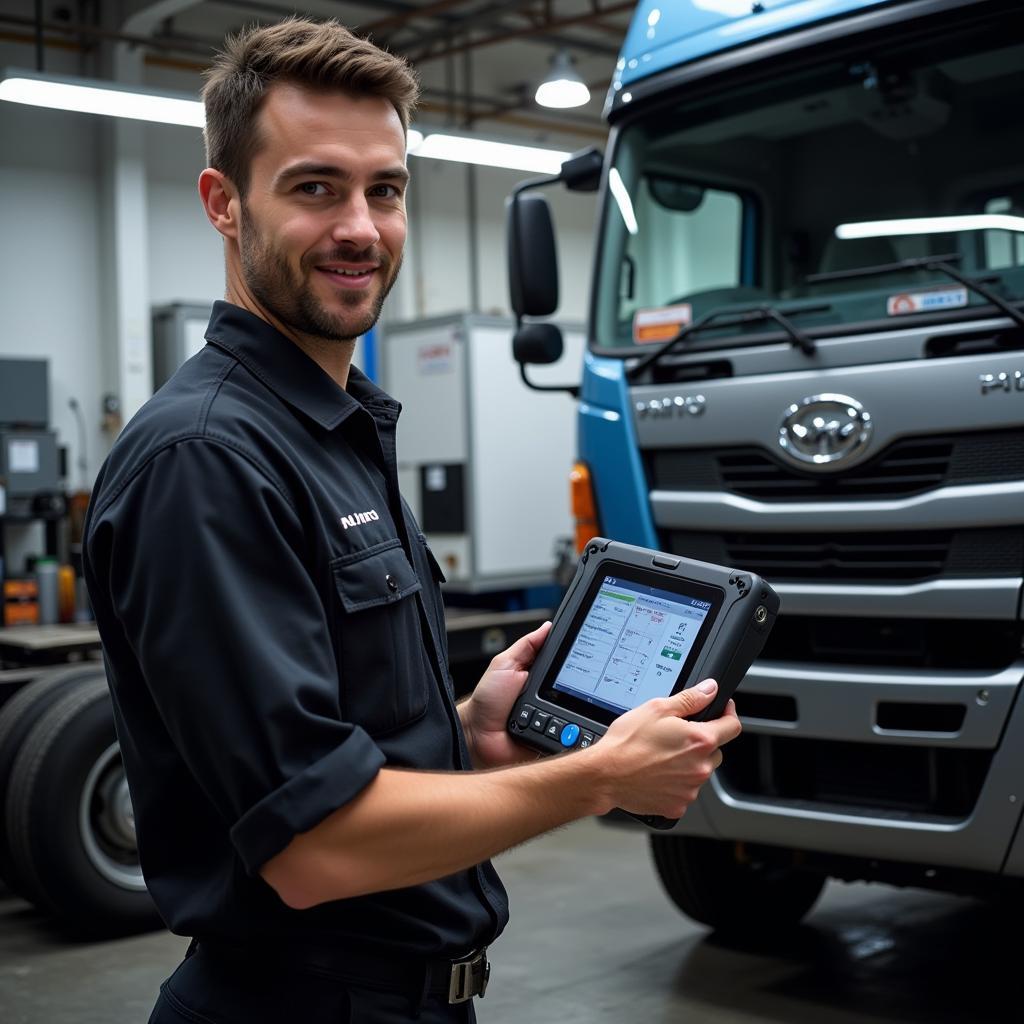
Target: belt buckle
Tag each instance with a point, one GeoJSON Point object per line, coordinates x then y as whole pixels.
{"type": "Point", "coordinates": [469, 977]}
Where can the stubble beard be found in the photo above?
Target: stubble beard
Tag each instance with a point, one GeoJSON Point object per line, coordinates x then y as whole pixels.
{"type": "Point", "coordinates": [289, 298]}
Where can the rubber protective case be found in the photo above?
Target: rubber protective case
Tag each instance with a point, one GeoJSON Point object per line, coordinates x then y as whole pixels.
{"type": "Point", "coordinates": [735, 638]}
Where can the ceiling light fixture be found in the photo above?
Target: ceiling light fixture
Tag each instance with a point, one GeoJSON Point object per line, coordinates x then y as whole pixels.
{"type": "Point", "coordinates": [467, 150]}
{"type": "Point", "coordinates": [91, 96]}
{"type": "Point", "coordinates": [563, 87]}
{"type": "Point", "coordinates": [86, 96]}
{"type": "Point", "coordinates": [931, 225]}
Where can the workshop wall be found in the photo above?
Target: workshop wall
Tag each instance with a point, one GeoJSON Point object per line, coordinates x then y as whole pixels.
{"type": "Point", "coordinates": [185, 254]}
{"type": "Point", "coordinates": [50, 263]}
{"type": "Point", "coordinates": [55, 256]}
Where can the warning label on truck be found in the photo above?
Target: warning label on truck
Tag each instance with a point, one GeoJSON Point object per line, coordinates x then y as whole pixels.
{"type": "Point", "coordinates": [661, 324]}
{"type": "Point", "coordinates": [926, 302]}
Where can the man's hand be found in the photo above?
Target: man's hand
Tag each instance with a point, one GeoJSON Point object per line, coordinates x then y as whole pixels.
{"type": "Point", "coordinates": [485, 714]}
{"type": "Point", "coordinates": [409, 827]}
{"type": "Point", "coordinates": [654, 762]}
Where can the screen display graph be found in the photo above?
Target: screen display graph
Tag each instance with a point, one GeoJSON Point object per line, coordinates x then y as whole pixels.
{"type": "Point", "coordinates": [632, 644]}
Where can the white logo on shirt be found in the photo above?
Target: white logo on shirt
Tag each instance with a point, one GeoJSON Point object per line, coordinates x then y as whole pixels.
{"type": "Point", "coordinates": [358, 518]}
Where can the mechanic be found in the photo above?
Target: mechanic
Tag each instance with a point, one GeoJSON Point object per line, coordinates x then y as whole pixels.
{"type": "Point", "coordinates": [311, 805]}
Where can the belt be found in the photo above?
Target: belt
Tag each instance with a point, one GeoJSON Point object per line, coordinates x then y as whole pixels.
{"type": "Point", "coordinates": [454, 980]}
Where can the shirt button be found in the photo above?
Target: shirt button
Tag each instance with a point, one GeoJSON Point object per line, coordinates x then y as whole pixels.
{"type": "Point", "coordinates": [391, 582]}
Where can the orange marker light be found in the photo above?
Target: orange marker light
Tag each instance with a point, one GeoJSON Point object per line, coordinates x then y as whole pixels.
{"type": "Point", "coordinates": [584, 508]}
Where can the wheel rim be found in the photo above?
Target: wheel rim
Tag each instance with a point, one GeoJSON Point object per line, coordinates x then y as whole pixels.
{"type": "Point", "coordinates": [107, 824]}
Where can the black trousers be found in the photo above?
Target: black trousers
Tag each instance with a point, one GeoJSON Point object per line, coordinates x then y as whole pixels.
{"type": "Point", "coordinates": [206, 989]}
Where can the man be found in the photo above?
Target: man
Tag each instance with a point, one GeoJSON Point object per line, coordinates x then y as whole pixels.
{"type": "Point", "coordinates": [270, 613]}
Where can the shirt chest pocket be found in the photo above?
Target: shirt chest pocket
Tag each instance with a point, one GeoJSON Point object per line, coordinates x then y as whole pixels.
{"type": "Point", "coordinates": [384, 665]}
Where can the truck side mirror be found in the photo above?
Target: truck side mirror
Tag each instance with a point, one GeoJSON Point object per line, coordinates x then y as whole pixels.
{"type": "Point", "coordinates": [537, 343]}
{"type": "Point", "coordinates": [532, 263]}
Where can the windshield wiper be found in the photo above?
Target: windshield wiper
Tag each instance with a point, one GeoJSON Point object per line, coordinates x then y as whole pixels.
{"type": "Point", "coordinates": [718, 319]}
{"type": "Point", "coordinates": [939, 263]}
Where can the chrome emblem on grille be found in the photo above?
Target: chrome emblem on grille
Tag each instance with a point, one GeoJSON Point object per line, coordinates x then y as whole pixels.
{"type": "Point", "coordinates": [673, 405]}
{"type": "Point", "coordinates": [824, 429]}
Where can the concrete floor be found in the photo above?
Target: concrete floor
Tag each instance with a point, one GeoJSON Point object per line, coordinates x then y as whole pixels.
{"type": "Point", "coordinates": [593, 938]}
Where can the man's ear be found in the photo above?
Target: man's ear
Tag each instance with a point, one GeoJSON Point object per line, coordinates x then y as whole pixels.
{"type": "Point", "coordinates": [220, 200]}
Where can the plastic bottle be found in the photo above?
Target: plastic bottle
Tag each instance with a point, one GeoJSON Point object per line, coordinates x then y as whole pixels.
{"type": "Point", "coordinates": [66, 593]}
{"type": "Point", "coordinates": [46, 580]}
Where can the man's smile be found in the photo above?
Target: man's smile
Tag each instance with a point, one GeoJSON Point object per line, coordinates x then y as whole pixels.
{"type": "Point", "coordinates": [348, 276]}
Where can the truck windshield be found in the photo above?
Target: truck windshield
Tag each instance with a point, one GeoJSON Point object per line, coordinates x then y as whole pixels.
{"type": "Point", "coordinates": [742, 198]}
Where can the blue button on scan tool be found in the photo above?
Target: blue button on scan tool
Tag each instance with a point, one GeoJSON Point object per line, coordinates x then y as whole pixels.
{"type": "Point", "coordinates": [570, 734]}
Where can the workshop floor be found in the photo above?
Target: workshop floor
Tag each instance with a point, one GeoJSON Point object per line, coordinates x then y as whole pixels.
{"type": "Point", "coordinates": [592, 938]}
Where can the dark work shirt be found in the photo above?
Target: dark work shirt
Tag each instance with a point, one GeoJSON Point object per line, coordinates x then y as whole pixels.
{"type": "Point", "coordinates": [274, 634]}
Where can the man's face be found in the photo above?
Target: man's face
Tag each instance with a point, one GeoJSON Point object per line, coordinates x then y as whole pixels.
{"type": "Point", "coordinates": [324, 222]}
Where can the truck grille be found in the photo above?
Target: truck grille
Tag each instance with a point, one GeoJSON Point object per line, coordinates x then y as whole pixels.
{"type": "Point", "coordinates": [907, 467]}
{"type": "Point", "coordinates": [873, 778]}
{"type": "Point", "coordinates": [894, 643]}
{"type": "Point", "coordinates": [893, 557]}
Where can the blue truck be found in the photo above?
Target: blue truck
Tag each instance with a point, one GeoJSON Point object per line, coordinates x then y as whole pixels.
{"type": "Point", "coordinates": [805, 358]}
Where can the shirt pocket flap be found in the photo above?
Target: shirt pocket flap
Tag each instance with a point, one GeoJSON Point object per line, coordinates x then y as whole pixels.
{"type": "Point", "coordinates": [435, 565]}
{"type": "Point", "coordinates": [377, 576]}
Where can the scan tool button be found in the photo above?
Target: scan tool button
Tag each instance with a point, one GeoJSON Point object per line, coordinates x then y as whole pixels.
{"type": "Point", "coordinates": [525, 715]}
{"type": "Point", "coordinates": [555, 727]}
{"type": "Point", "coordinates": [540, 720]}
{"type": "Point", "coordinates": [586, 739]}
{"type": "Point", "coordinates": [570, 734]}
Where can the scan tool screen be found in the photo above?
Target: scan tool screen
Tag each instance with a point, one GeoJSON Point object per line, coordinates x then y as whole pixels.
{"type": "Point", "coordinates": [632, 645]}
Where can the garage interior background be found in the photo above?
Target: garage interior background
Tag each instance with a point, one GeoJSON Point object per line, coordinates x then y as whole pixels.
{"type": "Point", "coordinates": [101, 221]}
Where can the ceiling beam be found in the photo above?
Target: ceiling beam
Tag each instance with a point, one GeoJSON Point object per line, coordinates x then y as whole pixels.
{"type": "Point", "coordinates": [530, 32]}
{"type": "Point", "coordinates": [199, 47]}
{"type": "Point", "coordinates": [399, 20]}
{"type": "Point", "coordinates": [490, 16]}
{"type": "Point", "coordinates": [487, 16]}
{"type": "Point", "coordinates": [596, 131]}
{"type": "Point", "coordinates": [278, 10]}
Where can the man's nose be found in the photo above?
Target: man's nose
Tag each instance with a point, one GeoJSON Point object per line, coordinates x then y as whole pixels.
{"type": "Point", "coordinates": [354, 225]}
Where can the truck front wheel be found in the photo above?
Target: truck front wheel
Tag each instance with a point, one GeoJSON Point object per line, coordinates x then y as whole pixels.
{"type": "Point", "coordinates": [731, 888]}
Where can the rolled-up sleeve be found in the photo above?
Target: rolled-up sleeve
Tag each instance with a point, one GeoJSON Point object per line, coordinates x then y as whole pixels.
{"type": "Point", "coordinates": [204, 561]}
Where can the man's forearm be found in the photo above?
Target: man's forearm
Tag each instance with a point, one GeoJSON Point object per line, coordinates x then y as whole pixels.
{"type": "Point", "coordinates": [409, 827]}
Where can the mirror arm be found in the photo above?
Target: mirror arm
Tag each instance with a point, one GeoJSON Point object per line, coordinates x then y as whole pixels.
{"type": "Point", "coordinates": [570, 389]}
{"type": "Point", "coordinates": [531, 183]}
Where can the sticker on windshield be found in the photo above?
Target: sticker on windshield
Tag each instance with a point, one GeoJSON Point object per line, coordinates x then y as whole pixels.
{"type": "Point", "coordinates": [926, 302]}
{"type": "Point", "coordinates": [660, 324]}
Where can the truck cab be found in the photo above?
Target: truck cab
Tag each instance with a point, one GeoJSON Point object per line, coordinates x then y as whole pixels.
{"type": "Point", "coordinates": [806, 359]}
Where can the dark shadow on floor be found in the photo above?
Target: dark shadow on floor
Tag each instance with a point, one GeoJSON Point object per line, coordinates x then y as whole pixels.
{"type": "Point", "coordinates": [899, 956]}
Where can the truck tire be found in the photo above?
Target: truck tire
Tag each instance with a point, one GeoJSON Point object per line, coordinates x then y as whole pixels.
{"type": "Point", "coordinates": [708, 882]}
{"type": "Point", "coordinates": [17, 716]}
{"type": "Point", "coordinates": [69, 818]}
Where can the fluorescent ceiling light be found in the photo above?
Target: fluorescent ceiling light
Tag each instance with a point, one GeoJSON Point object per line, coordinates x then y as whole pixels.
{"type": "Point", "coordinates": [563, 87]}
{"type": "Point", "coordinates": [89, 97]}
{"type": "Point", "coordinates": [94, 97]}
{"type": "Point", "coordinates": [466, 150]}
{"type": "Point", "coordinates": [622, 200]}
{"type": "Point", "coordinates": [931, 225]}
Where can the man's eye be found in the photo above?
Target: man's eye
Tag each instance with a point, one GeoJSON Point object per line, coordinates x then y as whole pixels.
{"type": "Point", "coordinates": [313, 188]}
{"type": "Point", "coordinates": [386, 191]}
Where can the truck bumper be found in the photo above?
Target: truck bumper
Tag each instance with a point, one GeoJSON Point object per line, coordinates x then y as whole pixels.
{"type": "Point", "coordinates": [952, 726]}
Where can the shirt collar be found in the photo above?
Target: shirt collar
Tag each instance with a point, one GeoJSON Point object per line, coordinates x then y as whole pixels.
{"type": "Point", "coordinates": [291, 374]}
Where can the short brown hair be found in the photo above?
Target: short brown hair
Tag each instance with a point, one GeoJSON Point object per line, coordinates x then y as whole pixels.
{"type": "Point", "coordinates": [320, 55]}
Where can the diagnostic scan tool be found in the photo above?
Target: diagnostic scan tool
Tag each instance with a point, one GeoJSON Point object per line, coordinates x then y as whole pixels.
{"type": "Point", "coordinates": [636, 624]}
